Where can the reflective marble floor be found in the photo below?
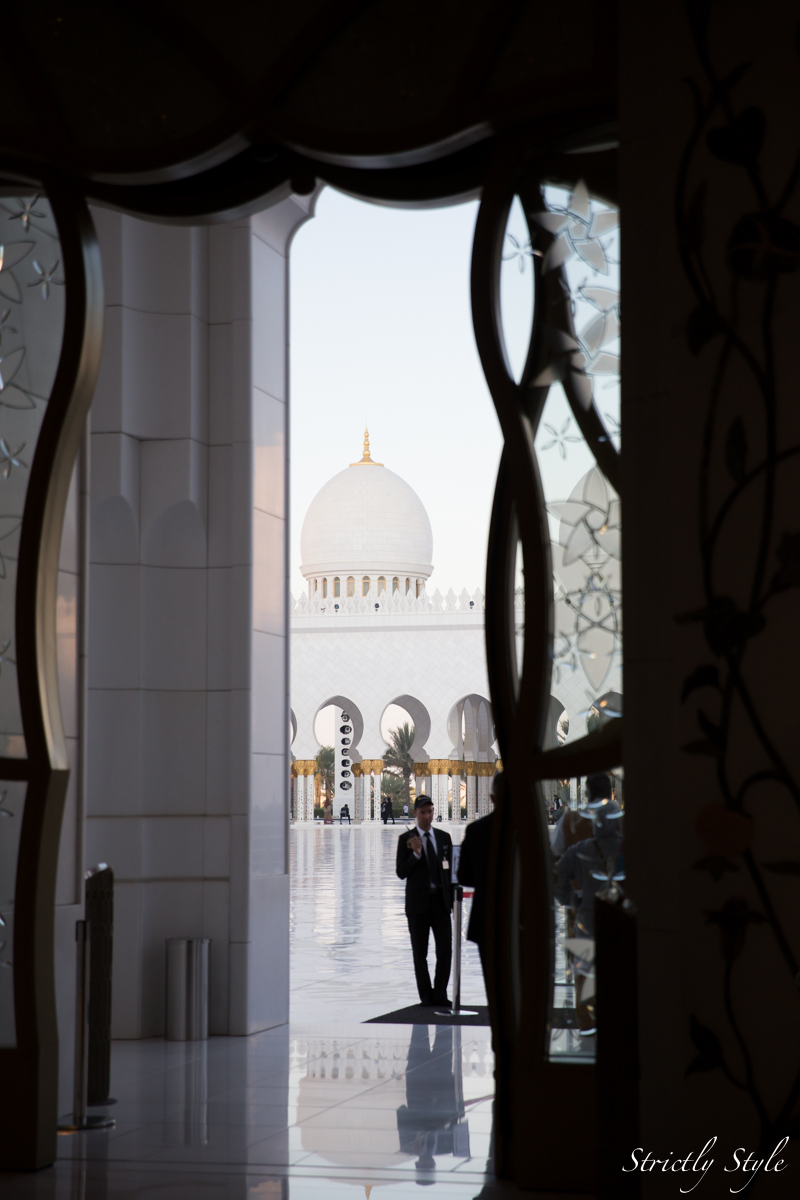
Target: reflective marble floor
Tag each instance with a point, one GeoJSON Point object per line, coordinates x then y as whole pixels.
{"type": "Point", "coordinates": [296, 1112]}
{"type": "Point", "coordinates": [351, 955]}
{"type": "Point", "coordinates": [323, 1107]}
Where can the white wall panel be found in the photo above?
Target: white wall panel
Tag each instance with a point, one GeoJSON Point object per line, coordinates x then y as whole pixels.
{"type": "Point", "coordinates": [269, 707]}
{"type": "Point", "coordinates": [114, 627]}
{"type": "Point", "coordinates": [173, 629]}
{"type": "Point", "coordinates": [114, 760]}
{"type": "Point", "coordinates": [158, 384]}
{"type": "Point", "coordinates": [269, 573]}
{"type": "Point", "coordinates": [269, 454]}
{"type": "Point", "coordinates": [107, 403]}
{"type": "Point", "coordinates": [172, 847]}
{"type": "Point", "coordinates": [117, 841]}
{"type": "Point", "coordinates": [190, 519]}
{"type": "Point", "coordinates": [172, 752]}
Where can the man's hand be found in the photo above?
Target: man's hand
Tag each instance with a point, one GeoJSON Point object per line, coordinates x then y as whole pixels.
{"type": "Point", "coordinates": [415, 844]}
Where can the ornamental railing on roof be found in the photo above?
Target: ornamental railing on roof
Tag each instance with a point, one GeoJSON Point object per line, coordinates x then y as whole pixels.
{"type": "Point", "coordinates": [376, 603]}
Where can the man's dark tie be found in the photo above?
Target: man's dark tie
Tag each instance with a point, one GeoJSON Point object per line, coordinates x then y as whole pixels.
{"type": "Point", "coordinates": [433, 862]}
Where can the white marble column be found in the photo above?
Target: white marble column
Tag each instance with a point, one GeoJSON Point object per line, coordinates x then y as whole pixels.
{"type": "Point", "coordinates": [484, 786]}
{"type": "Point", "coordinates": [455, 793]}
{"type": "Point", "coordinates": [438, 791]}
{"type": "Point", "coordinates": [422, 782]}
{"type": "Point", "coordinates": [366, 786]}
{"type": "Point", "coordinates": [358, 796]}
{"type": "Point", "coordinates": [472, 791]}
{"type": "Point", "coordinates": [299, 795]}
{"type": "Point", "coordinates": [433, 790]}
{"type": "Point", "coordinates": [377, 772]}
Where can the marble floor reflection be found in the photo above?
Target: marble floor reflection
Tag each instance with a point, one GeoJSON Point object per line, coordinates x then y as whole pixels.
{"type": "Point", "coordinates": [322, 1107]}
{"type": "Point", "coordinates": [296, 1112]}
{"type": "Point", "coordinates": [351, 955]}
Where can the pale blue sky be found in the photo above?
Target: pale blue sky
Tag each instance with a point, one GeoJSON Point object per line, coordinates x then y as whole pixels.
{"type": "Point", "coordinates": [381, 332]}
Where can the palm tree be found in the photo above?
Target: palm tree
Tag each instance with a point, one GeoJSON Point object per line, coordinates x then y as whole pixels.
{"type": "Point", "coordinates": [326, 763]}
{"type": "Point", "coordinates": [397, 755]}
{"type": "Point", "coordinates": [392, 787]}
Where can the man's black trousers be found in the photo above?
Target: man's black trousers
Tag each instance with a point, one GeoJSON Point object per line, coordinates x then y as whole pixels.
{"type": "Point", "coordinates": [436, 919]}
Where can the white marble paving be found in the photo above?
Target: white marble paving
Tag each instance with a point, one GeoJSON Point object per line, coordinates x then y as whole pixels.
{"type": "Point", "coordinates": [325, 1105]}
{"type": "Point", "coordinates": [350, 949]}
{"type": "Point", "coordinates": [293, 1112]}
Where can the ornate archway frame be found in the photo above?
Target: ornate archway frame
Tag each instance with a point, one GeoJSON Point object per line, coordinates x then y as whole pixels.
{"type": "Point", "coordinates": [30, 1066]}
{"type": "Point", "coordinates": [520, 966]}
{"type": "Point", "coordinates": [521, 954]}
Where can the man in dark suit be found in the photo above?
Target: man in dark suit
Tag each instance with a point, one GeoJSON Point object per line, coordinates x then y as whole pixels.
{"type": "Point", "coordinates": [473, 870]}
{"type": "Point", "coordinates": [424, 860]}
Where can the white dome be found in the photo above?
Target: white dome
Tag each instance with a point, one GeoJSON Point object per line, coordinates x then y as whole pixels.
{"type": "Point", "coordinates": [366, 521]}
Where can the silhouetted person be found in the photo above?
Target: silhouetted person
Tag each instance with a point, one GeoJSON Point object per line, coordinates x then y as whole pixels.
{"type": "Point", "coordinates": [572, 827]}
{"type": "Point", "coordinates": [473, 869]}
{"type": "Point", "coordinates": [344, 813]}
{"type": "Point", "coordinates": [424, 860]}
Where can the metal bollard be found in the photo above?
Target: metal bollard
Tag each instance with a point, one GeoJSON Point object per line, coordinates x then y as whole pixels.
{"type": "Point", "coordinates": [100, 915]}
{"type": "Point", "coordinates": [458, 908]}
{"type": "Point", "coordinates": [187, 989]}
{"type": "Point", "coordinates": [80, 1121]}
{"type": "Point", "coordinates": [458, 901]}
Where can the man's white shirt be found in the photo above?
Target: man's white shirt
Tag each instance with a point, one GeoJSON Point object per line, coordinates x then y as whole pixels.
{"type": "Point", "coordinates": [418, 833]}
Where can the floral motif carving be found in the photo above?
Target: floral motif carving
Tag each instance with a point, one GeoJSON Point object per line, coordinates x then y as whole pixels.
{"type": "Point", "coordinates": [763, 246]}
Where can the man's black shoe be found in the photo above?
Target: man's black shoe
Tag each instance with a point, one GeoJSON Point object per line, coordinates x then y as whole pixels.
{"type": "Point", "coordinates": [442, 1003]}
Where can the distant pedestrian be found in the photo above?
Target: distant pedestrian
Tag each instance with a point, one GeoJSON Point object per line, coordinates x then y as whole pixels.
{"type": "Point", "coordinates": [384, 813]}
{"type": "Point", "coordinates": [344, 814]}
{"type": "Point", "coordinates": [405, 812]}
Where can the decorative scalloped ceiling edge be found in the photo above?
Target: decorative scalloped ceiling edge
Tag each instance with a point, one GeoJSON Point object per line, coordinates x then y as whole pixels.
{"type": "Point", "coordinates": [161, 109]}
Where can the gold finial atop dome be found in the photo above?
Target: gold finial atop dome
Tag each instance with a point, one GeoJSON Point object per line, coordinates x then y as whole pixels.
{"type": "Point", "coordinates": [366, 461]}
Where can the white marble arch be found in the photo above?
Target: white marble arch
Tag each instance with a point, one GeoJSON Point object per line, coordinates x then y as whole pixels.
{"type": "Point", "coordinates": [420, 719]}
{"type": "Point", "coordinates": [356, 718]}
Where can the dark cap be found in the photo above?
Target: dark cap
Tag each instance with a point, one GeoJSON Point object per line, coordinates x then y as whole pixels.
{"type": "Point", "coordinates": [420, 800]}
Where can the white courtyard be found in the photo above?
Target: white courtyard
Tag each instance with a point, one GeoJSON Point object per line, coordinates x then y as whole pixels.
{"type": "Point", "coordinates": [350, 948]}
{"type": "Point", "coordinates": [368, 635]}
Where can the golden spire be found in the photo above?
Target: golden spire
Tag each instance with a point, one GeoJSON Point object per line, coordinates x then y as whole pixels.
{"type": "Point", "coordinates": [366, 461]}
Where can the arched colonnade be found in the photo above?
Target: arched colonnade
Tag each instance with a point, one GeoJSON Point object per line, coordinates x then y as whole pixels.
{"type": "Point", "coordinates": [470, 759]}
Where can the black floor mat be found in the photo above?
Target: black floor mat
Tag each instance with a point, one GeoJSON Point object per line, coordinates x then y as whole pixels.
{"type": "Point", "coordinates": [421, 1014]}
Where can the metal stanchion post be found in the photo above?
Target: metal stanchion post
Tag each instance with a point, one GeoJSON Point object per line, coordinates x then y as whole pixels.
{"type": "Point", "coordinates": [80, 1121]}
{"type": "Point", "coordinates": [457, 1010]}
